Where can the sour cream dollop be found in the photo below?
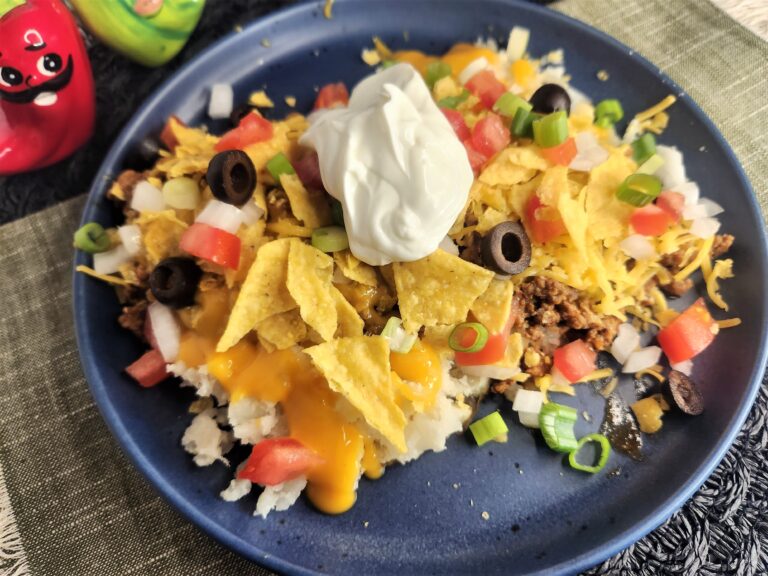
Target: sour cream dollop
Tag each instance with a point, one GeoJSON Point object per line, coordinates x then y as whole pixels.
{"type": "Point", "coordinates": [394, 162]}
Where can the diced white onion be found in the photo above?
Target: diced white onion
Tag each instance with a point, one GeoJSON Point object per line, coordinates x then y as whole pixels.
{"type": "Point", "coordinates": [705, 227]}
{"type": "Point", "coordinates": [166, 330]}
{"type": "Point", "coordinates": [688, 189]}
{"type": "Point", "coordinates": [672, 173]}
{"type": "Point", "coordinates": [711, 207]}
{"type": "Point", "coordinates": [449, 246]}
{"type": "Point", "coordinates": [528, 401]}
{"type": "Point", "coordinates": [529, 419]}
{"type": "Point", "coordinates": [589, 153]}
{"type": "Point", "coordinates": [221, 215]}
{"type": "Point", "coordinates": [147, 198]}
{"type": "Point", "coordinates": [110, 261]}
{"type": "Point", "coordinates": [686, 367]}
{"type": "Point", "coordinates": [130, 236]}
{"type": "Point", "coordinates": [491, 371]}
{"type": "Point", "coordinates": [398, 339]}
{"type": "Point", "coordinates": [252, 213]}
{"type": "Point", "coordinates": [706, 208]}
{"type": "Point", "coordinates": [642, 359]}
{"type": "Point", "coordinates": [638, 247]}
{"type": "Point", "coordinates": [517, 43]}
{"type": "Point", "coordinates": [627, 341]}
{"type": "Point", "coordinates": [473, 68]}
{"type": "Point", "coordinates": [222, 101]}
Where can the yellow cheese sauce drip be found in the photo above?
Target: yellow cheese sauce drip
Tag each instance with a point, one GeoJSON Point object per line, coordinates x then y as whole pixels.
{"type": "Point", "coordinates": [309, 406]}
{"type": "Point", "coordinates": [421, 371]}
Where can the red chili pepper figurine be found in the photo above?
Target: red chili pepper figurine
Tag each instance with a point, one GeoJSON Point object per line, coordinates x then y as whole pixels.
{"type": "Point", "coordinates": [47, 102]}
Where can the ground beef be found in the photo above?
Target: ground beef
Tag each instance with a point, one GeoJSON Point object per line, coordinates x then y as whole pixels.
{"type": "Point", "coordinates": [549, 313]}
{"type": "Point", "coordinates": [677, 288]}
{"type": "Point", "coordinates": [127, 182]}
{"type": "Point", "coordinates": [133, 317]}
{"type": "Point", "coordinates": [278, 205]}
{"type": "Point", "coordinates": [722, 244]}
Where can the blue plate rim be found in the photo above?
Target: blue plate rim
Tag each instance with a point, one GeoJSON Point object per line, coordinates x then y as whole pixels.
{"type": "Point", "coordinates": [246, 549]}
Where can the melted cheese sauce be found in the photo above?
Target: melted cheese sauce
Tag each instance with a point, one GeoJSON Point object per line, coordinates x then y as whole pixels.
{"type": "Point", "coordinates": [420, 375]}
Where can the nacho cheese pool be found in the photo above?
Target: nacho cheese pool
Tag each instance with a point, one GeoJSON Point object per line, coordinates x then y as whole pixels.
{"type": "Point", "coordinates": [342, 290]}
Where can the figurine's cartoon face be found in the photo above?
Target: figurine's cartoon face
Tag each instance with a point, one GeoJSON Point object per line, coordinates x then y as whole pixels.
{"type": "Point", "coordinates": [148, 31]}
{"type": "Point", "coordinates": [46, 87]}
{"type": "Point", "coordinates": [32, 69]}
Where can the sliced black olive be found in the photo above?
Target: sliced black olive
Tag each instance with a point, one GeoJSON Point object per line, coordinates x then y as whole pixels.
{"type": "Point", "coordinates": [685, 394]}
{"type": "Point", "coordinates": [551, 98]}
{"type": "Point", "coordinates": [232, 177]}
{"type": "Point", "coordinates": [239, 113]}
{"type": "Point", "coordinates": [144, 155]}
{"type": "Point", "coordinates": [506, 248]}
{"type": "Point", "coordinates": [174, 281]}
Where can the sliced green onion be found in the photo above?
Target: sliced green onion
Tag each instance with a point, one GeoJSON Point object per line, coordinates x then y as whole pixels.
{"type": "Point", "coordinates": [436, 71]}
{"type": "Point", "coordinates": [522, 124]}
{"type": "Point", "coordinates": [556, 422]}
{"type": "Point", "coordinates": [337, 212]}
{"type": "Point", "coordinates": [279, 165]}
{"type": "Point", "coordinates": [488, 428]}
{"type": "Point", "coordinates": [639, 189]}
{"type": "Point", "coordinates": [452, 102]}
{"type": "Point", "coordinates": [92, 238]}
{"type": "Point", "coordinates": [387, 64]}
{"type": "Point", "coordinates": [508, 104]}
{"type": "Point", "coordinates": [651, 166]}
{"type": "Point", "coordinates": [475, 330]}
{"type": "Point", "coordinates": [399, 340]}
{"type": "Point", "coordinates": [602, 460]}
{"type": "Point", "coordinates": [644, 147]}
{"type": "Point", "coordinates": [552, 130]}
{"type": "Point", "coordinates": [608, 112]}
{"type": "Point", "coordinates": [181, 193]}
{"type": "Point", "coordinates": [330, 239]}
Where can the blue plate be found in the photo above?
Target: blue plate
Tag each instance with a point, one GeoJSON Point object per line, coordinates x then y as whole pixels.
{"type": "Point", "coordinates": [427, 517]}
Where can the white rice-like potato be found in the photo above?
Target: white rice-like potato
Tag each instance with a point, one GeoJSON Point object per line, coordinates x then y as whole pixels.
{"type": "Point", "coordinates": [253, 420]}
{"type": "Point", "coordinates": [198, 378]}
{"type": "Point", "coordinates": [280, 497]}
{"type": "Point", "coordinates": [456, 382]}
{"type": "Point", "coordinates": [205, 440]}
{"type": "Point", "coordinates": [237, 489]}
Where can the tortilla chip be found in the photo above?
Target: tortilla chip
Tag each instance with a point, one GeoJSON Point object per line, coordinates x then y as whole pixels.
{"type": "Point", "coordinates": [264, 293]}
{"type": "Point", "coordinates": [513, 165]}
{"type": "Point", "coordinates": [311, 208]}
{"type": "Point", "coordinates": [160, 234]}
{"type": "Point", "coordinates": [492, 196]}
{"type": "Point", "coordinates": [493, 306]}
{"type": "Point", "coordinates": [251, 239]}
{"type": "Point", "coordinates": [282, 330]}
{"type": "Point", "coordinates": [309, 283]}
{"type": "Point", "coordinates": [607, 214]}
{"type": "Point", "coordinates": [354, 269]}
{"type": "Point", "coordinates": [490, 218]}
{"type": "Point", "coordinates": [438, 289]}
{"type": "Point", "coordinates": [289, 228]}
{"type": "Point", "coordinates": [554, 183]}
{"type": "Point", "coordinates": [437, 337]}
{"type": "Point", "coordinates": [350, 322]}
{"type": "Point", "coordinates": [285, 134]}
{"type": "Point", "coordinates": [358, 369]}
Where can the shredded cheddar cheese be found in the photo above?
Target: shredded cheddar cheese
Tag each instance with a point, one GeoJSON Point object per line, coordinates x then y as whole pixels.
{"type": "Point", "coordinates": [103, 277]}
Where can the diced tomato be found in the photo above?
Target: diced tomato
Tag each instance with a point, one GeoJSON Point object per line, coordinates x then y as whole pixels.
{"type": "Point", "coordinates": [476, 159]}
{"type": "Point", "coordinates": [487, 87]}
{"type": "Point", "coordinates": [490, 136]}
{"type": "Point", "coordinates": [492, 352]}
{"type": "Point", "coordinates": [562, 154]}
{"type": "Point", "coordinates": [212, 244]}
{"type": "Point", "coordinates": [332, 96]}
{"type": "Point", "coordinates": [277, 460]}
{"type": "Point", "coordinates": [672, 203]}
{"type": "Point", "coordinates": [253, 128]}
{"type": "Point", "coordinates": [575, 360]}
{"type": "Point", "coordinates": [149, 370]}
{"type": "Point", "coordinates": [457, 123]}
{"type": "Point", "coordinates": [167, 137]}
{"type": "Point", "coordinates": [650, 220]}
{"type": "Point", "coordinates": [688, 334]}
{"type": "Point", "coordinates": [307, 169]}
{"type": "Point", "coordinates": [540, 228]}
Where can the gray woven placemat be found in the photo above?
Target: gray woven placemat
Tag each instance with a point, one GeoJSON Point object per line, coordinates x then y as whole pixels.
{"type": "Point", "coordinates": [70, 503]}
